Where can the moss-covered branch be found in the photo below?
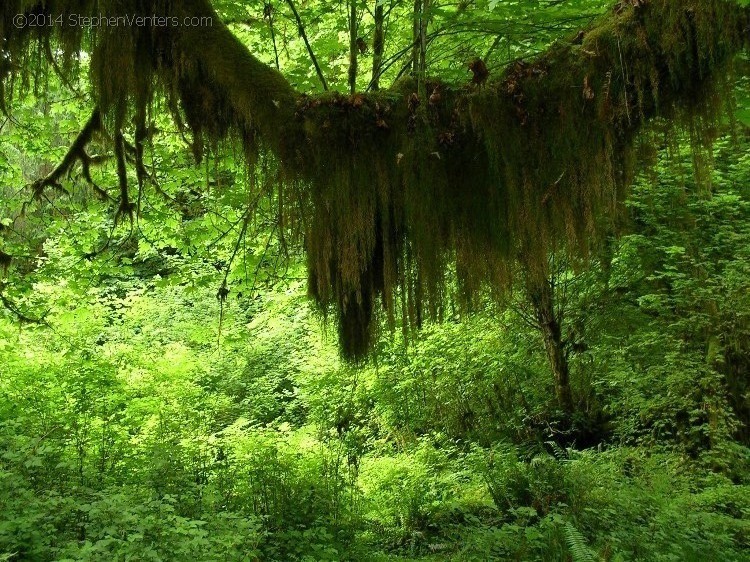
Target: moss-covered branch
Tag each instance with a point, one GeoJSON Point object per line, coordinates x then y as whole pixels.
{"type": "Point", "coordinates": [76, 153]}
{"type": "Point", "coordinates": [396, 185]}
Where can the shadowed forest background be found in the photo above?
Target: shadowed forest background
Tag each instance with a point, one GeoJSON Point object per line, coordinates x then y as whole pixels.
{"type": "Point", "coordinates": [462, 282]}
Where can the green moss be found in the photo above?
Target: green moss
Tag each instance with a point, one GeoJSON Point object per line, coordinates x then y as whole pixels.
{"type": "Point", "coordinates": [393, 190]}
{"type": "Point", "coordinates": [485, 180]}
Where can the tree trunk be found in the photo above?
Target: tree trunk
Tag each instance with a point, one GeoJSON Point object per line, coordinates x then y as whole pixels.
{"type": "Point", "coordinates": [378, 44]}
{"type": "Point", "coordinates": [416, 28]}
{"type": "Point", "coordinates": [352, 47]}
{"type": "Point", "coordinates": [549, 321]}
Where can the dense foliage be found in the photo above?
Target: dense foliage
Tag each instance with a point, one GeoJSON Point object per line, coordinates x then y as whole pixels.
{"type": "Point", "coordinates": [169, 392]}
{"type": "Point", "coordinates": [390, 189]}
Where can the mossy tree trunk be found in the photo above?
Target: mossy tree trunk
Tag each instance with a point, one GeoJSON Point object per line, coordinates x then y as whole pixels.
{"type": "Point", "coordinates": [549, 321]}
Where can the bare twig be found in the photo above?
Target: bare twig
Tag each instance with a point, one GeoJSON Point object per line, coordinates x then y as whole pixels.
{"type": "Point", "coordinates": [301, 30]}
{"type": "Point", "coordinates": [268, 14]}
{"type": "Point", "coordinates": [415, 36]}
{"type": "Point", "coordinates": [378, 45]}
{"type": "Point", "coordinates": [352, 46]}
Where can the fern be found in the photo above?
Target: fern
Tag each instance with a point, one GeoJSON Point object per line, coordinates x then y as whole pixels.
{"type": "Point", "coordinates": [579, 549]}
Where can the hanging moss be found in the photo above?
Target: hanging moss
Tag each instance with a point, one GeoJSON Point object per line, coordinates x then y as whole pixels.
{"type": "Point", "coordinates": [394, 189]}
{"type": "Point", "coordinates": [486, 179]}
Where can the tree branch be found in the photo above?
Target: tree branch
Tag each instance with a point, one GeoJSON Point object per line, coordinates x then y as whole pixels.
{"type": "Point", "coordinates": [125, 206]}
{"type": "Point", "coordinates": [378, 45]}
{"type": "Point", "coordinates": [301, 30]}
{"type": "Point", "coordinates": [21, 316]}
{"type": "Point", "coordinates": [352, 46]}
{"type": "Point", "coordinates": [76, 153]}
{"type": "Point", "coordinates": [529, 163]}
{"type": "Point", "coordinates": [268, 14]}
{"type": "Point", "coordinates": [258, 96]}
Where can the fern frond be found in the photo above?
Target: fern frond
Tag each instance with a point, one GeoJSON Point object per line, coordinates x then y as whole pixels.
{"type": "Point", "coordinates": [577, 544]}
